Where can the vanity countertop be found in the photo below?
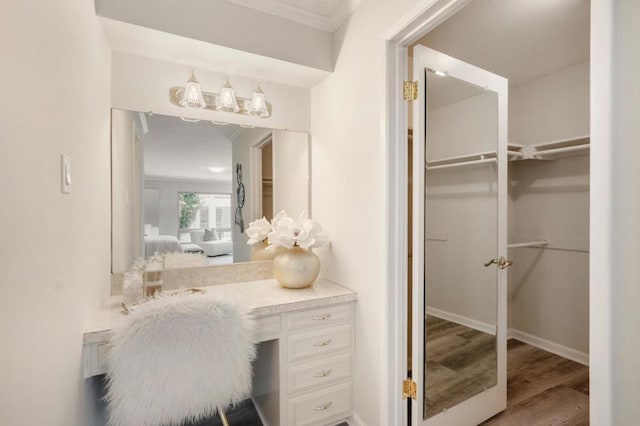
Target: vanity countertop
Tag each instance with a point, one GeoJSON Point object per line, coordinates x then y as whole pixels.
{"type": "Point", "coordinates": [262, 298]}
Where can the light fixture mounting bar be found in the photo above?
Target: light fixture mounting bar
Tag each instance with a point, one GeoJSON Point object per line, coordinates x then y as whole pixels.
{"type": "Point", "coordinates": [176, 93]}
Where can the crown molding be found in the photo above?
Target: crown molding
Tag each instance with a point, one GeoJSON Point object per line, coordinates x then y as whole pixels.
{"type": "Point", "coordinates": [296, 14]}
{"type": "Point", "coordinates": [343, 13]}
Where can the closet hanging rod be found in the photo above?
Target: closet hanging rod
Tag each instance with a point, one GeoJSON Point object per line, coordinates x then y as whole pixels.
{"type": "Point", "coordinates": [463, 164]}
{"type": "Point", "coordinates": [563, 149]}
{"type": "Point", "coordinates": [541, 243]}
{"type": "Point", "coordinates": [516, 153]}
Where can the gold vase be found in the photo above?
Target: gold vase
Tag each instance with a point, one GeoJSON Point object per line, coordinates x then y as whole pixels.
{"type": "Point", "coordinates": [296, 268]}
{"type": "Point", "coordinates": [263, 251]}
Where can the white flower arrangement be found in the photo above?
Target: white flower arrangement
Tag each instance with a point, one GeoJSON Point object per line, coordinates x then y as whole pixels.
{"type": "Point", "coordinates": [284, 231]}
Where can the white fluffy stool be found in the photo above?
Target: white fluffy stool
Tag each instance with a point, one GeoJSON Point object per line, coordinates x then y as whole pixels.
{"type": "Point", "coordinates": [179, 358]}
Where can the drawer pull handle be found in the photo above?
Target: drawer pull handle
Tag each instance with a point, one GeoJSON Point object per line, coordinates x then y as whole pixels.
{"type": "Point", "coordinates": [321, 317]}
{"type": "Point", "coordinates": [323, 406]}
{"type": "Point", "coordinates": [324, 373]}
{"type": "Point", "coordinates": [323, 343]}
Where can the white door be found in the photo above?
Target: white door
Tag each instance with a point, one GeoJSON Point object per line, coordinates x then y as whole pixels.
{"type": "Point", "coordinates": [459, 213]}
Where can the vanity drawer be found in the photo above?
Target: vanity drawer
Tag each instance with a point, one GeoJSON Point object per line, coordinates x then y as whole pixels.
{"type": "Point", "coordinates": [318, 342]}
{"type": "Point", "coordinates": [318, 373]}
{"type": "Point", "coordinates": [333, 403]}
{"type": "Point", "coordinates": [319, 317]}
{"type": "Point", "coordinates": [267, 328]}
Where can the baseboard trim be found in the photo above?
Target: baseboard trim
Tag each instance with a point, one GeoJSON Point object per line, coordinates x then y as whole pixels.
{"type": "Point", "coordinates": [459, 319]}
{"type": "Point", "coordinates": [259, 411]}
{"type": "Point", "coordinates": [549, 346]}
{"type": "Point", "coordinates": [355, 420]}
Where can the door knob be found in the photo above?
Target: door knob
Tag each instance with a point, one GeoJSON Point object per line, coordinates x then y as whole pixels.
{"type": "Point", "coordinates": [504, 263]}
{"type": "Point", "coordinates": [501, 262]}
{"type": "Point", "coordinates": [491, 262]}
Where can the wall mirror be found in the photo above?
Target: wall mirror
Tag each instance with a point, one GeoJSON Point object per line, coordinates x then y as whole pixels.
{"type": "Point", "coordinates": [461, 234]}
{"type": "Point", "coordinates": [174, 185]}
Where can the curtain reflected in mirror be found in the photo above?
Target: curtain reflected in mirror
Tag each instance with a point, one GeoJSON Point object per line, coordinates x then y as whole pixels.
{"type": "Point", "coordinates": [461, 227]}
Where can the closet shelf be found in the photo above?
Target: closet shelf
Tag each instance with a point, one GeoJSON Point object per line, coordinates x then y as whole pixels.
{"type": "Point", "coordinates": [550, 150]}
{"type": "Point", "coordinates": [541, 243]}
{"type": "Point", "coordinates": [470, 160]}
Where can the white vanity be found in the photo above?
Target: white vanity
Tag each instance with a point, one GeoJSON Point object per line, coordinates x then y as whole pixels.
{"type": "Point", "coordinates": [303, 372]}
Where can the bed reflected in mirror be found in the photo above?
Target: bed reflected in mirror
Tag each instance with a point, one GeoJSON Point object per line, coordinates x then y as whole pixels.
{"type": "Point", "coordinates": [174, 185]}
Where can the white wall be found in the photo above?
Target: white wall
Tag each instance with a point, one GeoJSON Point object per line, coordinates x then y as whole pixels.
{"type": "Point", "coordinates": [168, 198]}
{"type": "Point", "coordinates": [151, 201]}
{"type": "Point", "coordinates": [142, 84]}
{"type": "Point", "coordinates": [615, 208]}
{"type": "Point", "coordinates": [462, 212]}
{"type": "Point", "coordinates": [126, 179]}
{"type": "Point", "coordinates": [291, 172]}
{"type": "Point", "coordinates": [242, 153]}
{"type": "Point", "coordinates": [549, 288]}
{"type": "Point", "coordinates": [349, 188]}
{"type": "Point", "coordinates": [552, 107]}
{"type": "Point", "coordinates": [55, 256]}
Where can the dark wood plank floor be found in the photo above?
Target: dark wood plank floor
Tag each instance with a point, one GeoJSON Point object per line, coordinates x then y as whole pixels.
{"type": "Point", "coordinates": [460, 363]}
{"type": "Point", "coordinates": [543, 389]}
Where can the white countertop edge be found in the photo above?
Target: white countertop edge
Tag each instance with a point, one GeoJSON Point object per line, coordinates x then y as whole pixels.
{"type": "Point", "coordinates": [325, 293]}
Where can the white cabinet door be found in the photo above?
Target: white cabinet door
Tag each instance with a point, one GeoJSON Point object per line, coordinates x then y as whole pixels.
{"type": "Point", "coordinates": [459, 241]}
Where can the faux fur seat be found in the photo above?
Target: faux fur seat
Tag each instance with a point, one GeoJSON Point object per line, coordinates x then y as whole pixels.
{"type": "Point", "coordinates": [179, 358]}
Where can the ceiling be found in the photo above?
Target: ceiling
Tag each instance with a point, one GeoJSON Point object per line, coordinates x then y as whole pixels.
{"type": "Point", "coordinates": [146, 42]}
{"type": "Point", "coordinates": [326, 15]}
{"type": "Point", "coordinates": [176, 149]}
{"type": "Point", "coordinates": [518, 39]}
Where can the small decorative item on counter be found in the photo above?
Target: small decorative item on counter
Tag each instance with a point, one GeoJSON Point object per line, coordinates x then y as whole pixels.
{"type": "Point", "coordinates": [258, 231]}
{"type": "Point", "coordinates": [132, 287]}
{"type": "Point", "coordinates": [296, 266]}
{"type": "Point", "coordinates": [153, 275]}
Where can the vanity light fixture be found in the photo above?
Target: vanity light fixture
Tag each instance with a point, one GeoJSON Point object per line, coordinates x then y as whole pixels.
{"type": "Point", "coordinates": [192, 96]}
{"type": "Point", "coordinates": [227, 102]}
{"type": "Point", "coordinates": [216, 169]}
{"type": "Point", "coordinates": [258, 103]}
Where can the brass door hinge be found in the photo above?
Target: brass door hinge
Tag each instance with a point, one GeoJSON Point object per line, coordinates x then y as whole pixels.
{"type": "Point", "coordinates": [409, 389]}
{"type": "Point", "coordinates": [410, 90]}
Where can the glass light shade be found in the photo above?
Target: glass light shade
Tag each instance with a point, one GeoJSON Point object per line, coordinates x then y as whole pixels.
{"type": "Point", "coordinates": [258, 104]}
{"type": "Point", "coordinates": [192, 96]}
{"type": "Point", "coordinates": [227, 100]}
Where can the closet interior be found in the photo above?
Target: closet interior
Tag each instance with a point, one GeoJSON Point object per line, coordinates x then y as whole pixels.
{"type": "Point", "coordinates": [542, 48]}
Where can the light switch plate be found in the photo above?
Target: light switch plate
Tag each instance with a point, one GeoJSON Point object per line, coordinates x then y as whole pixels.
{"type": "Point", "coordinates": [65, 174]}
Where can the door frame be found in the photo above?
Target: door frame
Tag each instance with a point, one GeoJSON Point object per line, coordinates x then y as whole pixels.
{"type": "Point", "coordinates": [427, 15]}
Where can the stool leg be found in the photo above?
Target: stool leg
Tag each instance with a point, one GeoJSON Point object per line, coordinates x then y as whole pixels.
{"type": "Point", "coordinates": [223, 417]}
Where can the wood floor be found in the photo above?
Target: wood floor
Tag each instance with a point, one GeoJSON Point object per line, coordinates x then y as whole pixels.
{"type": "Point", "coordinates": [460, 363]}
{"type": "Point", "coordinates": [543, 389]}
